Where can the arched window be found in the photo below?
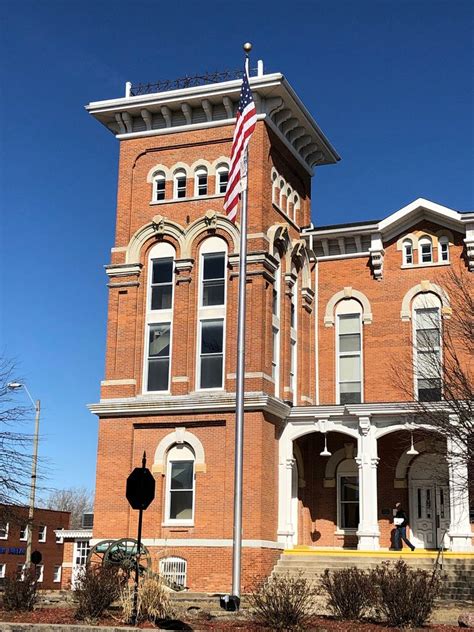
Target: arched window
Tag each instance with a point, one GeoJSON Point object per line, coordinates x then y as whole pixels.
{"type": "Point", "coordinates": [159, 318]}
{"type": "Point", "coordinates": [276, 328]}
{"type": "Point", "coordinates": [173, 570]}
{"type": "Point", "coordinates": [282, 193]}
{"type": "Point", "coordinates": [294, 343]}
{"type": "Point", "coordinates": [179, 184]}
{"type": "Point", "coordinates": [159, 186]}
{"type": "Point", "coordinates": [349, 352]}
{"type": "Point", "coordinates": [274, 187]}
{"type": "Point", "coordinates": [296, 207]}
{"type": "Point", "coordinates": [289, 203]}
{"type": "Point", "coordinates": [347, 495]}
{"type": "Point", "coordinates": [425, 250]}
{"type": "Point", "coordinates": [200, 182]}
{"type": "Point", "coordinates": [211, 313]}
{"type": "Point", "coordinates": [443, 248]}
{"type": "Point", "coordinates": [407, 252]}
{"type": "Point", "coordinates": [180, 485]}
{"type": "Point", "coordinates": [427, 346]}
{"type": "Point", "coordinates": [222, 178]}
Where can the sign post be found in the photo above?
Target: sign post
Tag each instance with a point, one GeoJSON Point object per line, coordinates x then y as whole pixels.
{"type": "Point", "coordinates": [140, 493]}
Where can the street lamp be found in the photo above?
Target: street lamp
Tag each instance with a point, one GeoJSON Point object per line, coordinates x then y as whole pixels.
{"type": "Point", "coordinates": [14, 386]}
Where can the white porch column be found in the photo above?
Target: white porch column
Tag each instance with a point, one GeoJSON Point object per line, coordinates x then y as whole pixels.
{"type": "Point", "coordinates": [460, 532]}
{"type": "Point", "coordinates": [367, 460]}
{"type": "Point", "coordinates": [285, 531]}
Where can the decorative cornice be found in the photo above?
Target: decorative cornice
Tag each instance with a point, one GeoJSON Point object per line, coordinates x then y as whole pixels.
{"type": "Point", "coordinates": [196, 402]}
{"type": "Point", "coordinates": [123, 269]}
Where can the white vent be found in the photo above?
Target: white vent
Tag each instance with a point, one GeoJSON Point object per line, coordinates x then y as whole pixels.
{"type": "Point", "coordinates": [173, 571]}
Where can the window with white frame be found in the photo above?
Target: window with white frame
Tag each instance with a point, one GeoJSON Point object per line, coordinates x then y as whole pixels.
{"type": "Point", "coordinates": [222, 178]}
{"type": "Point", "coordinates": [20, 571]}
{"type": "Point", "coordinates": [211, 313]}
{"type": "Point", "coordinates": [349, 352]}
{"type": "Point", "coordinates": [59, 537]}
{"type": "Point", "coordinates": [179, 184]}
{"type": "Point", "coordinates": [200, 182]}
{"type": "Point", "coordinates": [408, 252]}
{"type": "Point", "coordinates": [294, 342]}
{"type": "Point", "coordinates": [425, 250]}
{"type": "Point", "coordinates": [276, 327]}
{"type": "Point", "coordinates": [347, 495]}
{"type": "Point", "coordinates": [289, 203]}
{"type": "Point", "coordinates": [427, 347]}
{"type": "Point", "coordinates": [159, 318]}
{"type": "Point", "coordinates": [443, 249]}
{"type": "Point", "coordinates": [4, 531]}
{"type": "Point", "coordinates": [39, 572]}
{"type": "Point", "coordinates": [82, 548]}
{"type": "Point", "coordinates": [282, 193]}
{"type": "Point", "coordinates": [3, 570]}
{"type": "Point", "coordinates": [24, 532]}
{"type": "Point", "coordinates": [274, 187]}
{"type": "Point", "coordinates": [180, 488]}
{"type": "Point", "coordinates": [57, 573]}
{"type": "Point", "coordinates": [173, 570]}
{"type": "Point", "coordinates": [296, 208]}
{"type": "Point", "coordinates": [42, 533]}
{"type": "Point", "coordinates": [159, 186]}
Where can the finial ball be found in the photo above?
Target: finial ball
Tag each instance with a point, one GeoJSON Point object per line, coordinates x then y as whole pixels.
{"type": "Point", "coordinates": [247, 47]}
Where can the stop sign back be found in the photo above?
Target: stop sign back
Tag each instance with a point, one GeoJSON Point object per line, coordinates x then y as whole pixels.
{"type": "Point", "coordinates": [140, 488]}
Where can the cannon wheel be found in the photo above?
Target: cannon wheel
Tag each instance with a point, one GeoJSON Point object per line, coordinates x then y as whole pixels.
{"type": "Point", "coordinates": [123, 553]}
{"type": "Point", "coordinates": [96, 555]}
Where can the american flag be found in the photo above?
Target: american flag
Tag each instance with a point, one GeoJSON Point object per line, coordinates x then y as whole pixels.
{"type": "Point", "coordinates": [244, 126]}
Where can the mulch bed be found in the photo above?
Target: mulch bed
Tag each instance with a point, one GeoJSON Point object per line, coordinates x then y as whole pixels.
{"type": "Point", "coordinates": [66, 616]}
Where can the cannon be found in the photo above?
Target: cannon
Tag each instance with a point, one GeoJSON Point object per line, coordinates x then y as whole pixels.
{"type": "Point", "coordinates": [121, 554]}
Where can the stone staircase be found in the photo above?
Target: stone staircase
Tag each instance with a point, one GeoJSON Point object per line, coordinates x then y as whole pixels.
{"type": "Point", "coordinates": [458, 571]}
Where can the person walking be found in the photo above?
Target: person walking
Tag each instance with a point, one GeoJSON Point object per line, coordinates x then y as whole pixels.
{"type": "Point", "coordinates": [400, 521]}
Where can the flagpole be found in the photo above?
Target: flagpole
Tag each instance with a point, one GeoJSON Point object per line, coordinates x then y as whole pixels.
{"type": "Point", "coordinates": [240, 387]}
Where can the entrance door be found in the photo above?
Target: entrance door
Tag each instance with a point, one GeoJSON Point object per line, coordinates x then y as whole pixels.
{"type": "Point", "coordinates": [81, 551]}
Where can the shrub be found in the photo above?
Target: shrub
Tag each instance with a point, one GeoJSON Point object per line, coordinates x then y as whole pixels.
{"type": "Point", "coordinates": [406, 595]}
{"type": "Point", "coordinates": [20, 594]}
{"type": "Point", "coordinates": [95, 590]}
{"type": "Point", "coordinates": [283, 602]}
{"type": "Point", "coordinates": [153, 602]}
{"type": "Point", "coordinates": [349, 591]}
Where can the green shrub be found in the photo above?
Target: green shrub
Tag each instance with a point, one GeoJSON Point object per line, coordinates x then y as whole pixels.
{"type": "Point", "coordinates": [283, 602]}
{"type": "Point", "coordinates": [20, 591]}
{"type": "Point", "coordinates": [350, 593]}
{"type": "Point", "coordinates": [96, 588]}
{"type": "Point", "coordinates": [406, 595]}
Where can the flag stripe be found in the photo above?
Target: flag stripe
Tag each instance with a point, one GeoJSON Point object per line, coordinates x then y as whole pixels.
{"type": "Point", "coordinates": [246, 121]}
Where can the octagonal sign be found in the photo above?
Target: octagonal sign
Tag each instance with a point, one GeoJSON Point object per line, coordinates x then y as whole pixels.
{"type": "Point", "coordinates": [140, 488]}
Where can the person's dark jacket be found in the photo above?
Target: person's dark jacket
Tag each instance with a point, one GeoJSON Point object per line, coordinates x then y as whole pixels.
{"type": "Point", "coordinates": [401, 514]}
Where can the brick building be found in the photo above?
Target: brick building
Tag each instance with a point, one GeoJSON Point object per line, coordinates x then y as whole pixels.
{"type": "Point", "coordinates": [330, 311]}
{"type": "Point", "coordinates": [13, 537]}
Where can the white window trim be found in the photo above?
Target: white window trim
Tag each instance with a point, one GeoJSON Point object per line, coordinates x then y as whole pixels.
{"type": "Point", "coordinates": [162, 250]}
{"type": "Point", "coordinates": [41, 572]}
{"type": "Point", "coordinates": [57, 577]}
{"type": "Point", "coordinates": [408, 242]}
{"type": "Point", "coordinates": [212, 245]}
{"type": "Point", "coordinates": [7, 528]}
{"type": "Point", "coordinates": [294, 345]}
{"type": "Point", "coordinates": [200, 171]}
{"type": "Point", "coordinates": [431, 301]}
{"type": "Point", "coordinates": [3, 570]}
{"type": "Point", "coordinates": [42, 539]}
{"type": "Point", "coordinates": [178, 521]}
{"type": "Point", "coordinates": [443, 240]}
{"type": "Point", "coordinates": [276, 350]}
{"type": "Point", "coordinates": [25, 537]}
{"type": "Point", "coordinates": [222, 168]}
{"type": "Point", "coordinates": [159, 176]}
{"type": "Point", "coordinates": [341, 305]}
{"type": "Point", "coordinates": [339, 474]}
{"type": "Point", "coordinates": [423, 242]}
{"type": "Point", "coordinates": [179, 174]}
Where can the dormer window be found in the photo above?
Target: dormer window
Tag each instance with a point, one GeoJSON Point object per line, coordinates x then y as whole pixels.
{"type": "Point", "coordinates": [200, 182]}
{"type": "Point", "coordinates": [407, 252]}
{"type": "Point", "coordinates": [443, 249]}
{"type": "Point", "coordinates": [159, 187]}
{"type": "Point", "coordinates": [179, 184]}
{"type": "Point", "coordinates": [425, 252]}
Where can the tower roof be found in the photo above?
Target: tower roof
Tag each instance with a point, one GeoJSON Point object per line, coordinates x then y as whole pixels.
{"type": "Point", "coordinates": [141, 113]}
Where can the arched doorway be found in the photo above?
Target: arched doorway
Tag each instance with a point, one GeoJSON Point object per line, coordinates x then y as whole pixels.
{"type": "Point", "coordinates": [429, 500]}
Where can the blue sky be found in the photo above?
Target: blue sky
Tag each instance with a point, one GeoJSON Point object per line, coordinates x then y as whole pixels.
{"type": "Point", "coordinates": [389, 82]}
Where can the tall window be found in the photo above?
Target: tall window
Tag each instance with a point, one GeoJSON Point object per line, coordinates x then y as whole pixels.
{"type": "Point", "coordinates": [180, 485]}
{"type": "Point", "coordinates": [42, 533]}
{"type": "Point", "coordinates": [443, 249]}
{"type": "Point", "coordinates": [294, 342]}
{"type": "Point", "coordinates": [159, 318]}
{"type": "Point", "coordinates": [427, 347]}
{"type": "Point", "coordinates": [200, 182]}
{"type": "Point", "coordinates": [211, 313]}
{"type": "Point", "coordinates": [348, 494]}
{"type": "Point", "coordinates": [222, 178]}
{"type": "Point", "coordinates": [159, 186]}
{"type": "Point", "coordinates": [179, 184]}
{"type": "Point", "coordinates": [24, 532]}
{"type": "Point", "coordinates": [349, 352]}
{"type": "Point", "coordinates": [425, 250]}
{"type": "Point", "coordinates": [276, 328]}
{"type": "Point", "coordinates": [4, 531]}
{"type": "Point", "coordinates": [57, 573]}
{"type": "Point", "coordinates": [3, 570]}
{"type": "Point", "coordinates": [407, 252]}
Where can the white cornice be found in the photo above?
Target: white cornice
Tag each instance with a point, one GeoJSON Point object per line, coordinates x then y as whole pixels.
{"type": "Point", "coordinates": [196, 402]}
{"type": "Point", "coordinates": [73, 533]}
